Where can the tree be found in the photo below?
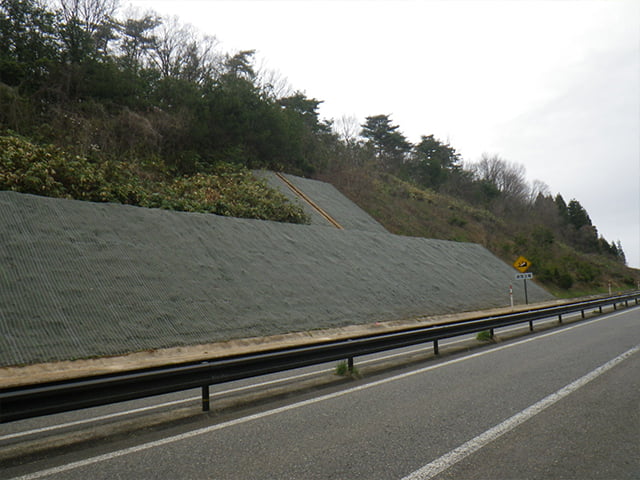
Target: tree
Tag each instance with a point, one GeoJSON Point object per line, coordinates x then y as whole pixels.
{"type": "Point", "coordinates": [509, 178]}
{"type": "Point", "coordinates": [347, 129]}
{"type": "Point", "coordinates": [168, 51]}
{"type": "Point", "coordinates": [578, 216]}
{"type": "Point", "coordinates": [622, 258]}
{"type": "Point", "coordinates": [137, 39]}
{"type": "Point", "coordinates": [544, 211]}
{"type": "Point", "coordinates": [389, 145]}
{"type": "Point", "coordinates": [433, 162]}
{"type": "Point", "coordinates": [273, 84]}
{"type": "Point", "coordinates": [28, 43]}
{"type": "Point", "coordinates": [240, 65]}
{"type": "Point", "coordinates": [87, 27]}
{"type": "Point", "coordinates": [201, 63]}
{"type": "Point", "coordinates": [307, 111]}
{"type": "Point", "coordinates": [539, 189]}
{"type": "Point", "coordinates": [563, 211]}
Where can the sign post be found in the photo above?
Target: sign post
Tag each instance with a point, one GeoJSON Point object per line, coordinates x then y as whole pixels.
{"type": "Point", "coordinates": [522, 265]}
{"type": "Point", "coordinates": [511, 295]}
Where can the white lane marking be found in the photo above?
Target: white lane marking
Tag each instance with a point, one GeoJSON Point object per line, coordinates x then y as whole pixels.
{"type": "Point", "coordinates": [134, 411]}
{"type": "Point", "coordinates": [91, 420]}
{"type": "Point", "coordinates": [446, 461]}
{"type": "Point", "coordinates": [286, 408]}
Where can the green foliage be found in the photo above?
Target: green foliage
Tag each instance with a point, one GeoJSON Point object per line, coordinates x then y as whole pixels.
{"type": "Point", "coordinates": [342, 370]}
{"type": "Point", "coordinates": [563, 210]}
{"type": "Point", "coordinates": [48, 171]}
{"type": "Point", "coordinates": [226, 190]}
{"type": "Point", "coordinates": [231, 191]}
{"type": "Point", "coordinates": [564, 281]}
{"type": "Point", "coordinates": [586, 272]}
{"type": "Point", "coordinates": [432, 162]}
{"type": "Point", "coordinates": [542, 236]}
{"type": "Point", "coordinates": [15, 109]}
{"type": "Point", "coordinates": [389, 145]}
{"type": "Point", "coordinates": [457, 222]}
{"type": "Point", "coordinates": [28, 46]}
{"type": "Point", "coordinates": [484, 336]}
{"type": "Point", "coordinates": [578, 216]}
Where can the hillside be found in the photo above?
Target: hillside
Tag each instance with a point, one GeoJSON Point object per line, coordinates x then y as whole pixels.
{"type": "Point", "coordinates": [85, 279]}
{"type": "Point", "coordinates": [404, 209]}
{"type": "Point", "coordinates": [121, 110]}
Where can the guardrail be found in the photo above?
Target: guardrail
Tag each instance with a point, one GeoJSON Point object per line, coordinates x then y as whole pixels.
{"type": "Point", "coordinates": [44, 399]}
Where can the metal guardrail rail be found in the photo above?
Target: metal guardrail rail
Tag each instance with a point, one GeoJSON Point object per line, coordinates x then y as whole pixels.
{"type": "Point", "coordinates": [43, 399]}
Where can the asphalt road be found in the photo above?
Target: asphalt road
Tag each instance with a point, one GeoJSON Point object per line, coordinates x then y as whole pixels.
{"type": "Point", "coordinates": [563, 403]}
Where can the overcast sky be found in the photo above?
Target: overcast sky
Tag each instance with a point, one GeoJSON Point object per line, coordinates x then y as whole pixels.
{"type": "Point", "coordinates": [551, 84]}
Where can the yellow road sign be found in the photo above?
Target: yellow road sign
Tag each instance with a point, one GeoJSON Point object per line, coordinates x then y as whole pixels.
{"type": "Point", "coordinates": [522, 264]}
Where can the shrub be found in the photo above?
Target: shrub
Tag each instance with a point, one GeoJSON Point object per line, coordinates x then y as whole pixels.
{"type": "Point", "coordinates": [48, 171]}
{"type": "Point", "coordinates": [586, 272]}
{"type": "Point", "coordinates": [564, 280]}
{"type": "Point", "coordinates": [342, 370]}
{"type": "Point", "coordinates": [232, 191]}
{"type": "Point", "coordinates": [484, 336]}
{"type": "Point", "coordinates": [227, 190]}
{"type": "Point", "coordinates": [457, 222]}
{"type": "Point", "coordinates": [542, 236]}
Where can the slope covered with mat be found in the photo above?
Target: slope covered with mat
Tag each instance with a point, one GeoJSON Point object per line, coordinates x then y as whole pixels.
{"type": "Point", "coordinates": [334, 203]}
{"type": "Point", "coordinates": [80, 279]}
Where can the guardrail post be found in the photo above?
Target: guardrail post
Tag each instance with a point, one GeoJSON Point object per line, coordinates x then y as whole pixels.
{"type": "Point", "coordinates": [205, 398]}
{"type": "Point", "coordinates": [600, 308]}
{"type": "Point", "coordinates": [531, 325]}
{"type": "Point", "coordinates": [582, 313]}
{"type": "Point", "coordinates": [559, 318]}
{"type": "Point", "coordinates": [615, 307]}
{"type": "Point", "coordinates": [491, 332]}
{"type": "Point", "coordinates": [350, 364]}
{"type": "Point", "coordinates": [435, 347]}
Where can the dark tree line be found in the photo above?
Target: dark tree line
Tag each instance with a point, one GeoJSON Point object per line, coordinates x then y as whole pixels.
{"type": "Point", "coordinates": [75, 74]}
{"type": "Point", "coordinates": [493, 182]}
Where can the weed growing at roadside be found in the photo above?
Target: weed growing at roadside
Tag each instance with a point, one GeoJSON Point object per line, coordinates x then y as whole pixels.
{"type": "Point", "coordinates": [342, 370]}
{"type": "Point", "coordinates": [484, 336]}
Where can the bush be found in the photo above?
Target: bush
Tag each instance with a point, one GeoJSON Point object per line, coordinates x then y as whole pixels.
{"type": "Point", "coordinates": [231, 191]}
{"type": "Point", "coordinates": [226, 190]}
{"type": "Point", "coordinates": [457, 222]}
{"type": "Point", "coordinates": [484, 336]}
{"type": "Point", "coordinates": [48, 171]}
{"type": "Point", "coordinates": [542, 236]}
{"type": "Point", "coordinates": [564, 281]}
{"type": "Point", "coordinates": [586, 272]}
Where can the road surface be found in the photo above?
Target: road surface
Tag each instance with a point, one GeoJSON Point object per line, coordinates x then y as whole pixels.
{"type": "Point", "coordinates": [562, 403]}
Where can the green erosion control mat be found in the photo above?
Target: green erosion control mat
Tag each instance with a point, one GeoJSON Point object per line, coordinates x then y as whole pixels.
{"type": "Point", "coordinates": [339, 207]}
{"type": "Point", "coordinates": [80, 279]}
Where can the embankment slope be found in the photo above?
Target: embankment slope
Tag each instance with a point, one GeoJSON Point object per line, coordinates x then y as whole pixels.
{"type": "Point", "coordinates": [80, 279]}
